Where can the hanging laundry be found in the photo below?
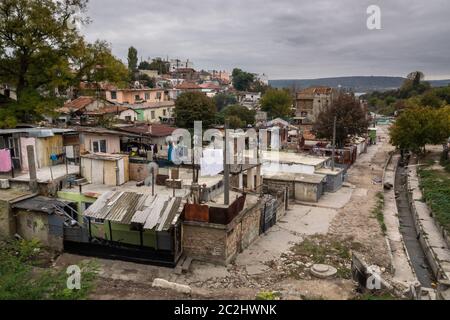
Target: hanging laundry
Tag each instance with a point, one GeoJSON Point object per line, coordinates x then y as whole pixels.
{"type": "Point", "coordinates": [5, 160]}
{"type": "Point", "coordinates": [211, 162]}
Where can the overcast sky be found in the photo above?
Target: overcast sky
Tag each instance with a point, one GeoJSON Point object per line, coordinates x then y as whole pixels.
{"type": "Point", "coordinates": [282, 38]}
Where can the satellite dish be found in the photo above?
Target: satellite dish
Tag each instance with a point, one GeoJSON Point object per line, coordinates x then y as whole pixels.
{"type": "Point", "coordinates": [152, 167]}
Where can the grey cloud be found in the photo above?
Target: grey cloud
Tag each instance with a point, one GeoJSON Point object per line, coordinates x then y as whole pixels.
{"type": "Point", "coordinates": [284, 39]}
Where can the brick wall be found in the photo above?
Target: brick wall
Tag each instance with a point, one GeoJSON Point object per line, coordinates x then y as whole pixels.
{"type": "Point", "coordinates": [274, 186]}
{"type": "Point", "coordinates": [221, 243]}
{"type": "Point", "coordinates": [138, 171]}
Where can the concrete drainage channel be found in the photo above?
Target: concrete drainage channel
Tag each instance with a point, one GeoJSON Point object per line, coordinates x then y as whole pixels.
{"type": "Point", "coordinates": [408, 230]}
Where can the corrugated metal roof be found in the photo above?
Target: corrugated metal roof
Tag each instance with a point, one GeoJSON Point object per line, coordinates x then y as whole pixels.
{"type": "Point", "coordinates": [130, 207]}
{"type": "Point", "coordinates": [39, 204]}
{"type": "Point", "coordinates": [36, 132]}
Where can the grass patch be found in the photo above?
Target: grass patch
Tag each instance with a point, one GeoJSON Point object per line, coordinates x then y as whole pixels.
{"type": "Point", "coordinates": [378, 212]}
{"type": "Point", "coordinates": [436, 192]}
{"type": "Point", "coordinates": [376, 296]}
{"type": "Point", "coordinates": [22, 279]}
{"type": "Point", "coordinates": [324, 250]}
{"type": "Point", "coordinates": [268, 295]}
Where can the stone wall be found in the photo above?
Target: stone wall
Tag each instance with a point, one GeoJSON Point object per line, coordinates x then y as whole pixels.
{"type": "Point", "coordinates": [7, 225]}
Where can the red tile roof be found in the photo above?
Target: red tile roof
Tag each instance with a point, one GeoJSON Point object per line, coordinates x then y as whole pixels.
{"type": "Point", "coordinates": [77, 104]}
{"type": "Point", "coordinates": [153, 130]}
{"type": "Point", "coordinates": [316, 90]}
{"type": "Point", "coordinates": [209, 85]}
{"type": "Point", "coordinates": [108, 110]}
{"type": "Point", "coordinates": [186, 85]}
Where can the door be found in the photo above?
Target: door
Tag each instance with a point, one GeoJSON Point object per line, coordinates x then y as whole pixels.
{"type": "Point", "coordinates": [121, 172]}
{"type": "Point", "coordinates": [97, 171]}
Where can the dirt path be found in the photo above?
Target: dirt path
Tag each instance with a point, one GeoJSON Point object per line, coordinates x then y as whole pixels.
{"type": "Point", "coordinates": [356, 219]}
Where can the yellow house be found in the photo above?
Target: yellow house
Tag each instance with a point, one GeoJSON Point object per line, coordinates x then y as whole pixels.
{"type": "Point", "coordinates": [154, 112]}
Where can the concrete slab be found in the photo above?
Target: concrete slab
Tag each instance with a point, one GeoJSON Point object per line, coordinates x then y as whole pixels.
{"type": "Point", "coordinates": [334, 200]}
{"type": "Point", "coordinates": [299, 221]}
{"type": "Point", "coordinates": [45, 174]}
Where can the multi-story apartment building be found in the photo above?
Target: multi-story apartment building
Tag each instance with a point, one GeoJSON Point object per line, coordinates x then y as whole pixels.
{"type": "Point", "coordinates": [311, 101]}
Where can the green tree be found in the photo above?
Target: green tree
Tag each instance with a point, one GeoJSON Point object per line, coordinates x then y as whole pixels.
{"type": "Point", "coordinates": [35, 40]}
{"type": "Point", "coordinates": [132, 59]}
{"type": "Point", "coordinates": [194, 106]}
{"type": "Point", "coordinates": [160, 65]}
{"type": "Point", "coordinates": [145, 80]}
{"type": "Point", "coordinates": [277, 103]}
{"type": "Point", "coordinates": [350, 120]}
{"type": "Point", "coordinates": [236, 112]}
{"type": "Point", "coordinates": [95, 63]}
{"type": "Point", "coordinates": [418, 126]}
{"type": "Point", "coordinates": [242, 80]}
{"type": "Point", "coordinates": [430, 99]}
{"type": "Point", "coordinates": [42, 54]}
{"type": "Point", "coordinates": [144, 65]}
{"type": "Point", "coordinates": [223, 100]}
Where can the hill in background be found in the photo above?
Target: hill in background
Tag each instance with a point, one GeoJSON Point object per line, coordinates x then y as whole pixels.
{"type": "Point", "coordinates": [356, 84]}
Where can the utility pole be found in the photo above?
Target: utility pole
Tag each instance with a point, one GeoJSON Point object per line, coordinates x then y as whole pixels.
{"type": "Point", "coordinates": [334, 143]}
{"type": "Point", "coordinates": [226, 169]}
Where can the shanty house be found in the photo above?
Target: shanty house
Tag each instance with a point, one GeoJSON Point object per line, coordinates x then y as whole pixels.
{"type": "Point", "coordinates": [133, 226]}
{"type": "Point", "coordinates": [105, 168]}
{"type": "Point", "coordinates": [46, 142]}
{"type": "Point", "coordinates": [44, 219]}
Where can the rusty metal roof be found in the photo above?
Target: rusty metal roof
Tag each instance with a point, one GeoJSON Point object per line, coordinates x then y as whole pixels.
{"type": "Point", "coordinates": [153, 212]}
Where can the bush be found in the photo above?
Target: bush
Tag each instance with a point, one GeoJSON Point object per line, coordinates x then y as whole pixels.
{"type": "Point", "coordinates": [20, 279]}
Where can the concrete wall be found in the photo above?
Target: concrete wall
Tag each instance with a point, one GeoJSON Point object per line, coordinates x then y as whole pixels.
{"type": "Point", "coordinates": [334, 182]}
{"type": "Point", "coordinates": [272, 167]}
{"type": "Point", "coordinates": [128, 113]}
{"type": "Point", "coordinates": [158, 112]}
{"type": "Point", "coordinates": [308, 192]}
{"type": "Point", "coordinates": [35, 226]}
{"type": "Point", "coordinates": [298, 190]}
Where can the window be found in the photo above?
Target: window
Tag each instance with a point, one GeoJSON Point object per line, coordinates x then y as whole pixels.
{"type": "Point", "coordinates": [152, 114]}
{"type": "Point", "coordinates": [14, 146]}
{"type": "Point", "coordinates": [137, 97]}
{"type": "Point", "coordinates": [147, 96]}
{"type": "Point", "coordinates": [164, 112]}
{"type": "Point", "coordinates": [99, 146]}
{"type": "Point", "coordinates": [97, 221]}
{"type": "Point", "coordinates": [113, 95]}
{"type": "Point", "coordinates": [127, 118]}
{"type": "Point", "coordinates": [158, 95]}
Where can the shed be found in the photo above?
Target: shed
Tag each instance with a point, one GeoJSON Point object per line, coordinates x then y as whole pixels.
{"type": "Point", "coordinates": [41, 218]}
{"type": "Point", "coordinates": [301, 186]}
{"type": "Point", "coordinates": [105, 168]}
{"type": "Point", "coordinates": [147, 225]}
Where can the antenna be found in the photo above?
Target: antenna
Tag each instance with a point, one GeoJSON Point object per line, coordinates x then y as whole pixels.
{"type": "Point", "coordinates": [152, 168]}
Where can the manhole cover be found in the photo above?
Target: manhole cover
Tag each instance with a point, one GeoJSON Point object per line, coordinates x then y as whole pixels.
{"type": "Point", "coordinates": [323, 271]}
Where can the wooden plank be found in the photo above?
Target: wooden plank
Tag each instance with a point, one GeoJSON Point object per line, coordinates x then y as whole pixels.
{"type": "Point", "coordinates": [186, 264]}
